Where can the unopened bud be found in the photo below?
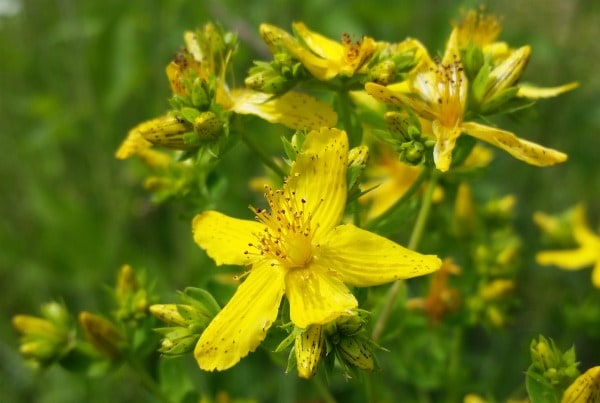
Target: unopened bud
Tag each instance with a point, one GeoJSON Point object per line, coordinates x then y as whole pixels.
{"type": "Point", "coordinates": [383, 73]}
{"type": "Point", "coordinates": [166, 131]}
{"type": "Point", "coordinates": [354, 352]}
{"type": "Point", "coordinates": [208, 126]}
{"type": "Point", "coordinates": [308, 347]}
{"type": "Point", "coordinates": [101, 334]}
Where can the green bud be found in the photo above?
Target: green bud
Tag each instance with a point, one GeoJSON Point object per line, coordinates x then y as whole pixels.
{"type": "Point", "coordinates": [354, 352]}
{"type": "Point", "coordinates": [349, 325]}
{"type": "Point", "coordinates": [200, 95]}
{"type": "Point", "coordinates": [413, 152]}
{"type": "Point", "coordinates": [177, 340]}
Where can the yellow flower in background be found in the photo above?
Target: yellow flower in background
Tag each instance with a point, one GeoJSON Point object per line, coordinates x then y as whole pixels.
{"type": "Point", "coordinates": [390, 179]}
{"type": "Point", "coordinates": [297, 249]}
{"type": "Point", "coordinates": [322, 57]}
{"type": "Point", "coordinates": [586, 254]}
{"type": "Point", "coordinates": [438, 92]}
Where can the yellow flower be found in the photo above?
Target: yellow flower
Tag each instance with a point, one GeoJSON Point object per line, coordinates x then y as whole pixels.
{"type": "Point", "coordinates": [587, 254]}
{"type": "Point", "coordinates": [438, 92]}
{"type": "Point", "coordinates": [297, 249]}
{"type": "Point", "coordinates": [321, 56]}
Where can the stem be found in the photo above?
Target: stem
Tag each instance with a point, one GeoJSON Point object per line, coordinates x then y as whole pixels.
{"type": "Point", "coordinates": [325, 394]}
{"type": "Point", "coordinates": [415, 238]}
{"type": "Point", "coordinates": [346, 114]}
{"type": "Point", "coordinates": [264, 157]}
{"type": "Point", "coordinates": [148, 381]}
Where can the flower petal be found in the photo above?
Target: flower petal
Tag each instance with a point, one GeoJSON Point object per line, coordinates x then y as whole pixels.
{"type": "Point", "coordinates": [225, 239]}
{"type": "Point", "coordinates": [399, 98]}
{"type": "Point", "coordinates": [321, 45]}
{"type": "Point", "coordinates": [523, 150]}
{"type": "Point", "coordinates": [293, 109]}
{"type": "Point", "coordinates": [277, 39]}
{"type": "Point", "coordinates": [318, 177]}
{"type": "Point", "coordinates": [362, 258]}
{"type": "Point", "coordinates": [243, 323]}
{"type": "Point", "coordinates": [133, 143]}
{"type": "Point", "coordinates": [445, 142]}
{"type": "Point", "coordinates": [571, 259]}
{"type": "Point", "coordinates": [316, 295]}
{"type": "Point", "coordinates": [535, 92]}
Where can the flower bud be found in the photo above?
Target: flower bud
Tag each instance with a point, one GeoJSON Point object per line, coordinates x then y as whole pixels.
{"type": "Point", "coordinates": [353, 351]}
{"type": "Point", "coordinates": [208, 126]}
{"type": "Point", "coordinates": [45, 339]}
{"type": "Point", "coordinates": [308, 347]}
{"type": "Point", "coordinates": [177, 340]}
{"type": "Point", "coordinates": [101, 334]}
{"type": "Point", "coordinates": [166, 131]}
{"type": "Point", "coordinates": [383, 73]}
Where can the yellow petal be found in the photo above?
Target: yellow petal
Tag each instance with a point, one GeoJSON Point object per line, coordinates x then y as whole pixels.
{"type": "Point", "coordinates": [316, 295]}
{"type": "Point", "coordinates": [226, 239]}
{"type": "Point", "coordinates": [571, 259]}
{"type": "Point", "coordinates": [445, 142]}
{"type": "Point", "coordinates": [451, 54]}
{"type": "Point", "coordinates": [319, 44]}
{"type": "Point", "coordinates": [364, 259]}
{"type": "Point", "coordinates": [277, 40]}
{"type": "Point", "coordinates": [133, 144]}
{"type": "Point", "coordinates": [398, 98]}
{"type": "Point", "coordinates": [293, 109]}
{"type": "Point", "coordinates": [318, 177]}
{"type": "Point", "coordinates": [584, 236]}
{"type": "Point", "coordinates": [534, 92]}
{"type": "Point", "coordinates": [523, 150]}
{"type": "Point", "coordinates": [243, 323]}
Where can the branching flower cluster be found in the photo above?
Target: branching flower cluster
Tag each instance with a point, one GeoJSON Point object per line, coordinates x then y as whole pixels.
{"type": "Point", "coordinates": [377, 138]}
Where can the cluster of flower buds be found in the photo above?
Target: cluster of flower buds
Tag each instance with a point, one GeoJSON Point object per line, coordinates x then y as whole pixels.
{"type": "Point", "coordinates": [185, 321]}
{"type": "Point", "coordinates": [48, 338]}
{"type": "Point", "coordinates": [344, 341]}
{"type": "Point", "coordinates": [551, 370]}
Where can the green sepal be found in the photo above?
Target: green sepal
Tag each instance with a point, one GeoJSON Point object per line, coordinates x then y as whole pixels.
{"type": "Point", "coordinates": [200, 299]}
{"type": "Point", "coordinates": [498, 100]}
{"type": "Point", "coordinates": [189, 114]}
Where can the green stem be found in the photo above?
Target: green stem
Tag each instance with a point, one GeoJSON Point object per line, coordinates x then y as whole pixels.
{"type": "Point", "coordinates": [264, 157]}
{"type": "Point", "coordinates": [325, 393]}
{"type": "Point", "coordinates": [148, 381]}
{"type": "Point", "coordinates": [412, 244]}
{"type": "Point", "coordinates": [346, 113]}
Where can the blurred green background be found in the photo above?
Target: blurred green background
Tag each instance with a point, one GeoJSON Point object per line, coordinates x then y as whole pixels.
{"type": "Point", "coordinates": [76, 75]}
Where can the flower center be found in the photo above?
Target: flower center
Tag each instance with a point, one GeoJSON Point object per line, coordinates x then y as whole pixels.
{"type": "Point", "coordinates": [288, 233]}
